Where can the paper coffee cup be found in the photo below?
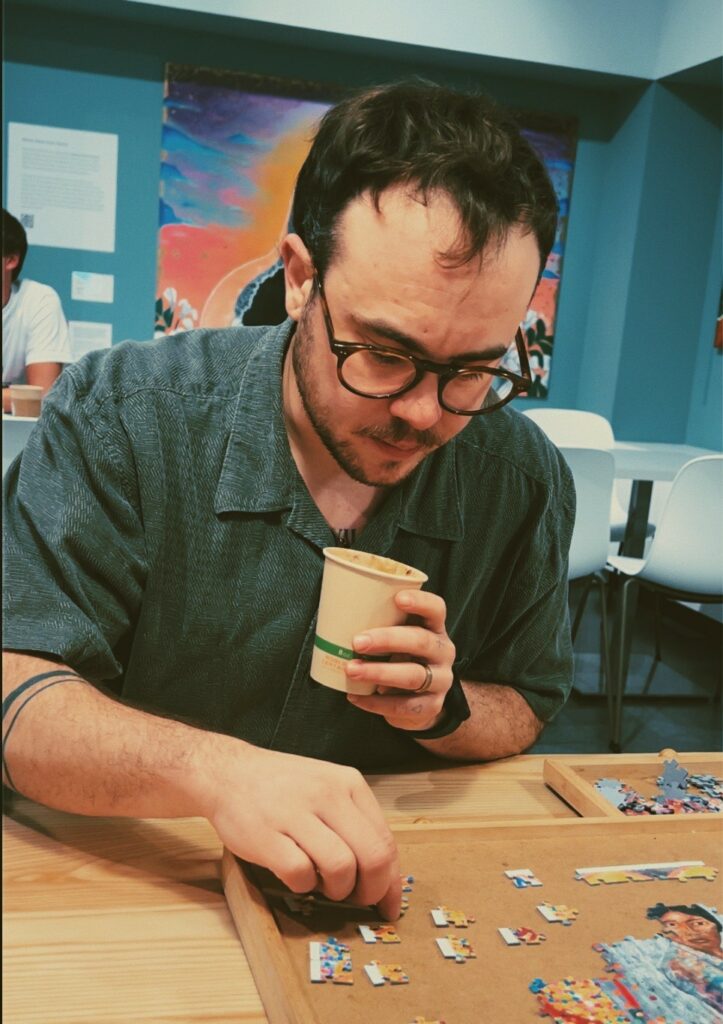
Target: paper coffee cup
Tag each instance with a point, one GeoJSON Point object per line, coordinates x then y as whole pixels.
{"type": "Point", "coordinates": [357, 593]}
{"type": "Point", "coordinates": [25, 399]}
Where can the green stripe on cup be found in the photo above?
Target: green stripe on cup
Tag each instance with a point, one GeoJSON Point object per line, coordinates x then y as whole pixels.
{"type": "Point", "coordinates": [344, 652]}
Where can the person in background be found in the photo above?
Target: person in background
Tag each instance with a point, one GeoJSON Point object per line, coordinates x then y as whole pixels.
{"type": "Point", "coordinates": [163, 575]}
{"type": "Point", "coordinates": [36, 342]}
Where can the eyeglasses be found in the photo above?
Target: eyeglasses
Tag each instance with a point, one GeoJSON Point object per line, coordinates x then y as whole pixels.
{"type": "Point", "coordinates": [374, 372]}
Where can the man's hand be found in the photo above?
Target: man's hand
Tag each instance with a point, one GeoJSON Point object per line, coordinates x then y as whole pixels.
{"type": "Point", "coordinates": [412, 648]}
{"type": "Point", "coordinates": [315, 825]}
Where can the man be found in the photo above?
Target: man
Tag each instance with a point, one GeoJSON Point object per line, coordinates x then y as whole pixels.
{"type": "Point", "coordinates": [174, 554]}
{"type": "Point", "coordinates": [35, 335]}
{"type": "Point", "coordinates": [692, 926]}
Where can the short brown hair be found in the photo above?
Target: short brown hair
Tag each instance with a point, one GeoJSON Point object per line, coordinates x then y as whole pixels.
{"type": "Point", "coordinates": [431, 138]}
{"type": "Point", "coordinates": [15, 241]}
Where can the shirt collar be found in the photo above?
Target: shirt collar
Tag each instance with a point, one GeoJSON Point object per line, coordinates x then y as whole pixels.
{"type": "Point", "coordinates": [259, 473]}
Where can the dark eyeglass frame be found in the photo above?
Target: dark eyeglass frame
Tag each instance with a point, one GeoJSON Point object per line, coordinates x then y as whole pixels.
{"type": "Point", "coordinates": [445, 371]}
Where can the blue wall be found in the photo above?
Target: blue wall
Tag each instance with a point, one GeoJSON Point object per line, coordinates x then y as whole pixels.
{"type": "Point", "coordinates": [639, 279]}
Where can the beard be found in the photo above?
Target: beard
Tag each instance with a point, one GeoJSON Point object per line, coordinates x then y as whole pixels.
{"type": "Point", "coordinates": [322, 417]}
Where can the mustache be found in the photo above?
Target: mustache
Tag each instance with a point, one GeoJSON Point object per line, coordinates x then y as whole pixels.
{"type": "Point", "coordinates": [401, 433]}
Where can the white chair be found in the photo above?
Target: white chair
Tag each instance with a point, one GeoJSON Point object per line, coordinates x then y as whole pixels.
{"type": "Point", "coordinates": [685, 561]}
{"type": "Point", "coordinates": [593, 471]}
{"type": "Point", "coordinates": [576, 428]}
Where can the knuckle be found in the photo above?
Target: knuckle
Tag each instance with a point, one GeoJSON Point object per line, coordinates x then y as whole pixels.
{"type": "Point", "coordinates": [381, 854]}
{"type": "Point", "coordinates": [353, 777]}
{"type": "Point", "coordinates": [338, 866]}
{"type": "Point", "coordinates": [298, 877]}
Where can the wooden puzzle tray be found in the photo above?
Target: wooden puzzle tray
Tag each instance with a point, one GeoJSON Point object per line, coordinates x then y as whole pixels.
{"type": "Point", "coordinates": [574, 778]}
{"type": "Point", "coordinates": [463, 868]}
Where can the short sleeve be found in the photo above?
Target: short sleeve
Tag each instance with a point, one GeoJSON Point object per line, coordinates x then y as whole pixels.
{"type": "Point", "coordinates": [74, 551]}
{"type": "Point", "coordinates": [48, 336]}
{"type": "Point", "coordinates": [529, 646]}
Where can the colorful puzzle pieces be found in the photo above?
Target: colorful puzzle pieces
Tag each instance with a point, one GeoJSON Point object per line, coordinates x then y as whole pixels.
{"type": "Point", "coordinates": [385, 933]}
{"type": "Point", "coordinates": [558, 913]}
{"type": "Point", "coordinates": [330, 961]}
{"type": "Point", "coordinates": [708, 784]}
{"type": "Point", "coordinates": [407, 887]}
{"type": "Point", "coordinates": [454, 947]}
{"type": "Point", "coordinates": [379, 973]}
{"type": "Point", "coordinates": [523, 878]}
{"type": "Point", "coordinates": [674, 797]}
{"type": "Point", "coordinates": [521, 936]}
{"type": "Point", "coordinates": [682, 871]}
{"type": "Point", "coordinates": [444, 917]}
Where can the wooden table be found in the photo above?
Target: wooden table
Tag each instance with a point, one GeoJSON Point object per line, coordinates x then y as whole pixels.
{"type": "Point", "coordinates": [119, 920]}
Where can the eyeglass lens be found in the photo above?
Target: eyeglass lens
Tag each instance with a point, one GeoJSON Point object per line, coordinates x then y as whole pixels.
{"type": "Point", "coordinates": [382, 373]}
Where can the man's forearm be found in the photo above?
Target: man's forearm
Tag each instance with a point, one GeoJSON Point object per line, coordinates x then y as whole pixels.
{"type": "Point", "coordinates": [502, 723]}
{"type": "Point", "coordinates": [69, 746]}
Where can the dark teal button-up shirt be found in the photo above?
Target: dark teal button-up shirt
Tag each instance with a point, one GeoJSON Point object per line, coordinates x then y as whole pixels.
{"type": "Point", "coordinates": [160, 540]}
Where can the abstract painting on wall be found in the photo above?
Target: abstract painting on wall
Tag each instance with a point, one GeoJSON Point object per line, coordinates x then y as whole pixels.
{"type": "Point", "coordinates": [231, 149]}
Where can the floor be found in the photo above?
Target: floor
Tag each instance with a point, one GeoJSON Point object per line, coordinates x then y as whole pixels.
{"type": "Point", "coordinates": [683, 707]}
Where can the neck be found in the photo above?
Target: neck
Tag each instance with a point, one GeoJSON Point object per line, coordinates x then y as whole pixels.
{"type": "Point", "coordinates": [344, 503]}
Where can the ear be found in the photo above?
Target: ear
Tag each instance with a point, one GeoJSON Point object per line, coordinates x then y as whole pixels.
{"type": "Point", "coordinates": [12, 261]}
{"type": "Point", "coordinates": [298, 274]}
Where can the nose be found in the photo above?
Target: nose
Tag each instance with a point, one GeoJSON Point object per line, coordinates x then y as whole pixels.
{"type": "Point", "coordinates": [419, 407]}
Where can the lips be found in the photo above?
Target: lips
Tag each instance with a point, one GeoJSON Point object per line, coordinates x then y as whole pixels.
{"type": "Point", "coordinates": [401, 449]}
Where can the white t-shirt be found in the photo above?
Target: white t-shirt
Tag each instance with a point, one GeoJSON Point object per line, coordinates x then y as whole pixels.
{"type": "Point", "coordinates": [34, 329]}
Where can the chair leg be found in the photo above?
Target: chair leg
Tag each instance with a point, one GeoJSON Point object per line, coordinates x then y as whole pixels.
{"type": "Point", "coordinates": [604, 640]}
{"type": "Point", "coordinates": [626, 612]}
{"type": "Point", "coordinates": [581, 609]}
{"type": "Point", "coordinates": [657, 619]}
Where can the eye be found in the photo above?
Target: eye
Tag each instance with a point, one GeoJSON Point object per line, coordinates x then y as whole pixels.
{"type": "Point", "coordinates": [383, 359]}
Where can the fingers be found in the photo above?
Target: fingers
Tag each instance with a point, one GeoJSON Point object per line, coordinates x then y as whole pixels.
{"type": "Point", "coordinates": [397, 675]}
{"type": "Point", "coordinates": [403, 712]}
{"type": "Point", "coordinates": [333, 857]}
{"type": "Point", "coordinates": [430, 607]}
{"type": "Point", "coordinates": [354, 850]}
{"type": "Point", "coordinates": [390, 905]}
{"type": "Point", "coordinates": [331, 835]}
{"type": "Point", "coordinates": [413, 641]}
{"type": "Point", "coordinates": [280, 854]}
{"type": "Point", "coordinates": [382, 864]}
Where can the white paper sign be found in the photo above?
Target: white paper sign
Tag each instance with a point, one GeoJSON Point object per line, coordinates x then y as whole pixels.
{"type": "Point", "coordinates": [86, 287]}
{"type": "Point", "coordinates": [62, 185]}
{"type": "Point", "coordinates": [86, 336]}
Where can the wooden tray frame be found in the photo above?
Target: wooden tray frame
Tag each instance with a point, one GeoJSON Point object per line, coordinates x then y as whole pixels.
{"type": "Point", "coordinates": [284, 998]}
{"type": "Point", "coordinates": [563, 775]}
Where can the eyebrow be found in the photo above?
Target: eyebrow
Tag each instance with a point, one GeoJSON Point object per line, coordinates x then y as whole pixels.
{"type": "Point", "coordinates": [385, 330]}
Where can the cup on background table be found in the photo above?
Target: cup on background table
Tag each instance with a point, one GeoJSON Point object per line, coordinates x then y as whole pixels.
{"type": "Point", "coordinates": [25, 399]}
{"type": "Point", "coordinates": [357, 593]}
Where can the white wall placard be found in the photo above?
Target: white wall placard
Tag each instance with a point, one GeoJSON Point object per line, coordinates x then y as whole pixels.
{"type": "Point", "coordinates": [87, 336]}
{"type": "Point", "coordinates": [87, 287]}
{"type": "Point", "coordinates": [62, 185]}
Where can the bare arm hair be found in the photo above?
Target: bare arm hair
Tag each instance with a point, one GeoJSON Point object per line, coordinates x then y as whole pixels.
{"type": "Point", "coordinates": [502, 723]}
{"type": "Point", "coordinates": [74, 748]}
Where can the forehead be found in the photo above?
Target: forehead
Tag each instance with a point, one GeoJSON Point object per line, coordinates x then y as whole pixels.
{"type": "Point", "coordinates": [387, 264]}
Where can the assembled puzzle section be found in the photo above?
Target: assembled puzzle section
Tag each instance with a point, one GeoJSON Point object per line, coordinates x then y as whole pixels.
{"type": "Point", "coordinates": [473, 946]}
{"type": "Point", "coordinates": [667, 784]}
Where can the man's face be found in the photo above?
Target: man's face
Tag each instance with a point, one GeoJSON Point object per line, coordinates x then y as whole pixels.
{"type": "Point", "coordinates": [691, 930]}
{"type": "Point", "coordinates": [386, 287]}
{"type": "Point", "coordinates": [9, 265]}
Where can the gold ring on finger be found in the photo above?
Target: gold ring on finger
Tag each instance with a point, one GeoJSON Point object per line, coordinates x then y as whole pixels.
{"type": "Point", "coordinates": [427, 680]}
